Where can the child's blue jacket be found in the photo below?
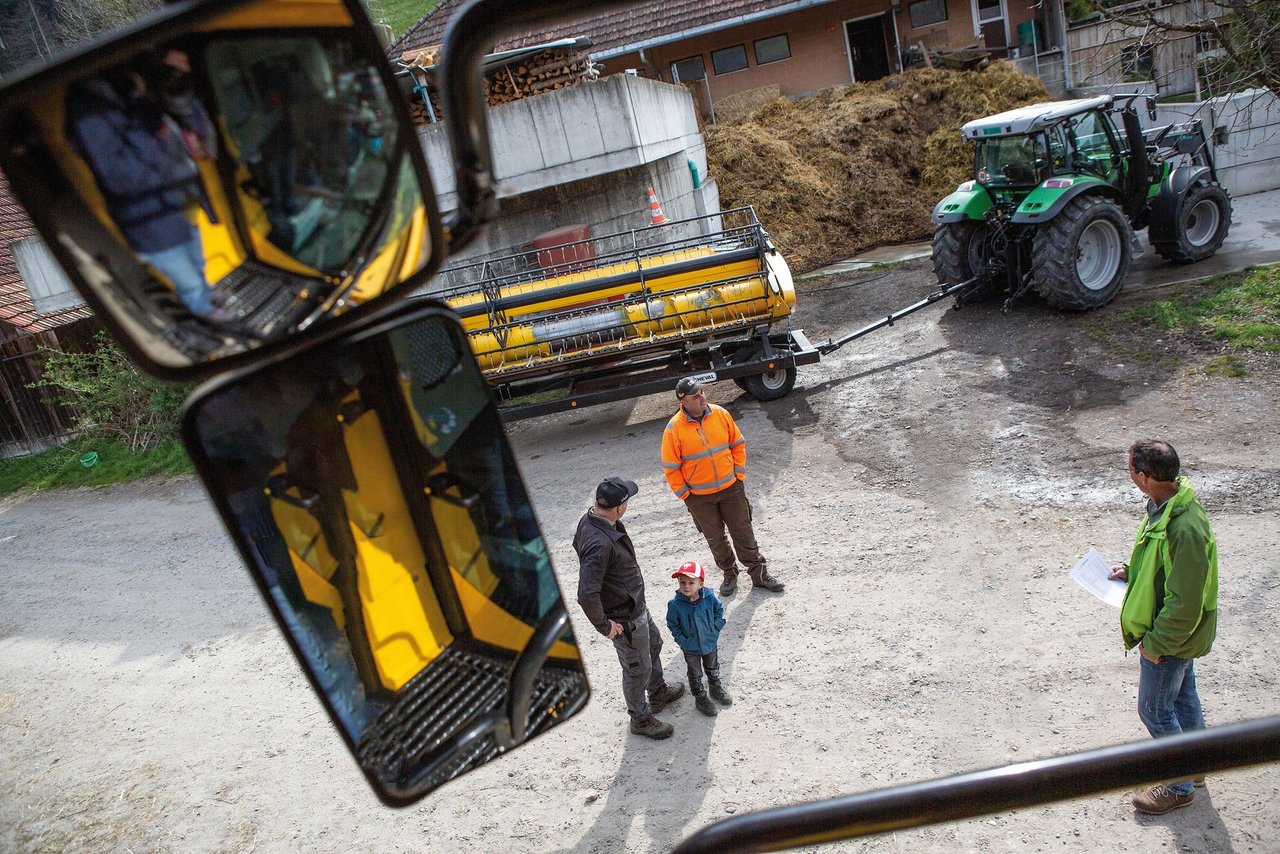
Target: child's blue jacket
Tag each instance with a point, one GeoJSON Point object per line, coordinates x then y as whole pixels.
{"type": "Point", "coordinates": [696, 625]}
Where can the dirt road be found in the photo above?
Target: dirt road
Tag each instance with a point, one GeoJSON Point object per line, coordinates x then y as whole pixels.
{"type": "Point", "coordinates": [922, 492]}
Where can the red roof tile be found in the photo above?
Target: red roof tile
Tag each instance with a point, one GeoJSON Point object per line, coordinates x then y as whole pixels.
{"type": "Point", "coordinates": [16, 307]}
{"type": "Point", "coordinates": [610, 32]}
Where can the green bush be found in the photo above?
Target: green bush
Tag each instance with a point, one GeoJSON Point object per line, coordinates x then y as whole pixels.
{"type": "Point", "coordinates": [113, 402]}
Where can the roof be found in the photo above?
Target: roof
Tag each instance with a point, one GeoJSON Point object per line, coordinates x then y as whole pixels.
{"type": "Point", "coordinates": [1032, 117]}
{"type": "Point", "coordinates": [617, 31]}
{"type": "Point", "coordinates": [16, 307]}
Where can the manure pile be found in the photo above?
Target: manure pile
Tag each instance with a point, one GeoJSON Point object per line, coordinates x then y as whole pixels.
{"type": "Point", "coordinates": [860, 165]}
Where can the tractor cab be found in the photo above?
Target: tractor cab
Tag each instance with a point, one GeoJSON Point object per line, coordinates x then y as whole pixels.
{"type": "Point", "coordinates": [1019, 149]}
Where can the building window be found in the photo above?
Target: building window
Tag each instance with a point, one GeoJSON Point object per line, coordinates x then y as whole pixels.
{"type": "Point", "coordinates": [1138, 62]}
{"type": "Point", "coordinates": [926, 12]}
{"type": "Point", "coordinates": [729, 59]}
{"type": "Point", "coordinates": [772, 49]}
{"type": "Point", "coordinates": [689, 69]}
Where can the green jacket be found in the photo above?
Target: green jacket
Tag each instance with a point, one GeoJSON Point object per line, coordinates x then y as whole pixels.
{"type": "Point", "coordinates": [1171, 601]}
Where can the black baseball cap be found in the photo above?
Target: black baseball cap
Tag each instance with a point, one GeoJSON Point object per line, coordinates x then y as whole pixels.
{"type": "Point", "coordinates": [613, 491]}
{"type": "Point", "coordinates": [687, 386]}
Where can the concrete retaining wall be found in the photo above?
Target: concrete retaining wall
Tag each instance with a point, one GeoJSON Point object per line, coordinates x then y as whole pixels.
{"type": "Point", "coordinates": [1249, 162]}
{"type": "Point", "coordinates": [586, 154]}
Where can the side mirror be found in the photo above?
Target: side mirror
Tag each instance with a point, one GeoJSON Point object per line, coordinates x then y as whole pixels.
{"type": "Point", "coordinates": [225, 178]}
{"type": "Point", "coordinates": [370, 488]}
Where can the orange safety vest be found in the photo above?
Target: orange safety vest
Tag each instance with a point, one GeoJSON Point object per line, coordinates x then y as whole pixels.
{"type": "Point", "coordinates": [703, 457]}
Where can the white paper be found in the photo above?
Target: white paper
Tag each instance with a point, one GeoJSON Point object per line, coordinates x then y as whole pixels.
{"type": "Point", "coordinates": [1091, 574]}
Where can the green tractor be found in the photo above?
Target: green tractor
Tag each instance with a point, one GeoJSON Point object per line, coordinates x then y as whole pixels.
{"type": "Point", "coordinates": [1059, 193]}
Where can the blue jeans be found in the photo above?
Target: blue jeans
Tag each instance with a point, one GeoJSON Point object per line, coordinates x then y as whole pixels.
{"type": "Point", "coordinates": [1168, 703]}
{"type": "Point", "coordinates": [184, 265]}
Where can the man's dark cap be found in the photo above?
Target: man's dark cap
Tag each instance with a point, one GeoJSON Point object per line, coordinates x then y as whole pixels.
{"type": "Point", "coordinates": [686, 387]}
{"type": "Point", "coordinates": [613, 491]}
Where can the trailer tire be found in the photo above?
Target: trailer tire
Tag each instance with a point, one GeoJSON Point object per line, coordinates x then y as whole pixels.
{"type": "Point", "coordinates": [740, 383]}
{"type": "Point", "coordinates": [959, 251]}
{"type": "Point", "coordinates": [1201, 227]}
{"type": "Point", "coordinates": [771, 385]}
{"type": "Point", "coordinates": [1081, 257]}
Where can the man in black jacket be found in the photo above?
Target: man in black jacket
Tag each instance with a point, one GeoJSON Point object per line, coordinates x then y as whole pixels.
{"type": "Point", "coordinates": [611, 593]}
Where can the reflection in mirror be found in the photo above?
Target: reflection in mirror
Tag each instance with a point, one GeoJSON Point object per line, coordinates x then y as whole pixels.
{"type": "Point", "coordinates": [223, 189]}
{"type": "Point", "coordinates": [376, 501]}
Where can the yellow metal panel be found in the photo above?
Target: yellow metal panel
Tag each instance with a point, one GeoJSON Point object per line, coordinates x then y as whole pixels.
{"type": "Point", "coordinates": [319, 591]}
{"type": "Point", "coordinates": [402, 615]}
{"type": "Point", "coordinates": [492, 624]}
{"type": "Point", "coordinates": [283, 13]}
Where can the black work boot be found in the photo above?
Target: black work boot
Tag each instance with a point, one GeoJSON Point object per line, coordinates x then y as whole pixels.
{"type": "Point", "coordinates": [704, 704]}
{"type": "Point", "coordinates": [659, 699]}
{"type": "Point", "coordinates": [718, 693]}
{"type": "Point", "coordinates": [651, 727]}
{"type": "Point", "coordinates": [760, 577]}
{"type": "Point", "coordinates": [729, 586]}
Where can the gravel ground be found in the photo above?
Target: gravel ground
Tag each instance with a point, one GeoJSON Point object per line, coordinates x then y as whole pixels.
{"type": "Point", "coordinates": [923, 493]}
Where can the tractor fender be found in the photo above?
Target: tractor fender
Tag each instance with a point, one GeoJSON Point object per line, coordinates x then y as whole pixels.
{"type": "Point", "coordinates": [969, 202]}
{"type": "Point", "coordinates": [1167, 204]}
{"type": "Point", "coordinates": [1044, 203]}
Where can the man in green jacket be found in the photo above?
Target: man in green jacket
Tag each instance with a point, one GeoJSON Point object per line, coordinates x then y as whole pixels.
{"type": "Point", "coordinates": [1170, 610]}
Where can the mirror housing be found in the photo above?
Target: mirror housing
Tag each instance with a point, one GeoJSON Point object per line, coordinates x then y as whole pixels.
{"type": "Point", "coordinates": [371, 491]}
{"type": "Point", "coordinates": [224, 177]}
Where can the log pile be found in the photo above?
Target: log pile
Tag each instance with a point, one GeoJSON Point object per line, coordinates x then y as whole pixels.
{"type": "Point", "coordinates": [544, 71]}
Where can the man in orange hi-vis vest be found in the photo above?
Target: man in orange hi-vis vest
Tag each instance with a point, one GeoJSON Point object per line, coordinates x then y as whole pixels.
{"type": "Point", "coordinates": [704, 457]}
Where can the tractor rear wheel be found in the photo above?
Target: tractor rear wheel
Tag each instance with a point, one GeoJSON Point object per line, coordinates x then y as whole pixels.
{"type": "Point", "coordinates": [959, 251]}
{"type": "Point", "coordinates": [1202, 225]}
{"type": "Point", "coordinates": [1081, 257]}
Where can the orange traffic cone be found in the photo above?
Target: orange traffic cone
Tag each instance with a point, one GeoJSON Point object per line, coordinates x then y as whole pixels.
{"type": "Point", "coordinates": [656, 216]}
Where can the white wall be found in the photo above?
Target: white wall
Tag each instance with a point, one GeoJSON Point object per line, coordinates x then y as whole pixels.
{"type": "Point", "coordinates": [1250, 160]}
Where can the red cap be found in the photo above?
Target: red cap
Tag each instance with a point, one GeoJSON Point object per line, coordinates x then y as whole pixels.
{"type": "Point", "coordinates": [692, 569]}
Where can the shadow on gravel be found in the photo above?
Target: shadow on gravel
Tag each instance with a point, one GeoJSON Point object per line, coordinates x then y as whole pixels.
{"type": "Point", "coordinates": [1194, 828]}
{"type": "Point", "coordinates": [646, 788]}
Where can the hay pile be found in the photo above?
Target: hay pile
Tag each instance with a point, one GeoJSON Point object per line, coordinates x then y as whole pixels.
{"type": "Point", "coordinates": [860, 165]}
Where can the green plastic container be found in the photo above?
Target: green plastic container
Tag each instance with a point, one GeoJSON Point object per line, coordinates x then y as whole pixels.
{"type": "Point", "coordinates": [1031, 33]}
{"type": "Point", "coordinates": [89, 460]}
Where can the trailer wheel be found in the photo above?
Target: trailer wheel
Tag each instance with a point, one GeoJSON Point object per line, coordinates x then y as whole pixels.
{"type": "Point", "coordinates": [771, 385]}
{"type": "Point", "coordinates": [1201, 227]}
{"type": "Point", "coordinates": [1081, 257]}
{"type": "Point", "coordinates": [959, 251]}
{"type": "Point", "coordinates": [740, 383]}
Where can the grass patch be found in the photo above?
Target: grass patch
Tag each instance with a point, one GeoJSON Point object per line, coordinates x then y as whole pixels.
{"type": "Point", "coordinates": [403, 14]}
{"type": "Point", "coordinates": [1242, 309]}
{"type": "Point", "coordinates": [1225, 366]}
{"type": "Point", "coordinates": [61, 467]}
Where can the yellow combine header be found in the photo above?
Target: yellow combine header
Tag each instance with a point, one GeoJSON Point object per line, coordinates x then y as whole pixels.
{"type": "Point", "coordinates": [602, 318]}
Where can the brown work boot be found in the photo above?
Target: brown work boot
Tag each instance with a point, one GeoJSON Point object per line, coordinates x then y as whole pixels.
{"type": "Point", "coordinates": [1198, 782]}
{"type": "Point", "coordinates": [1158, 800]}
{"type": "Point", "coordinates": [704, 704]}
{"type": "Point", "coordinates": [729, 586]}
{"type": "Point", "coordinates": [659, 699]}
{"type": "Point", "coordinates": [760, 577]}
{"type": "Point", "coordinates": [651, 727]}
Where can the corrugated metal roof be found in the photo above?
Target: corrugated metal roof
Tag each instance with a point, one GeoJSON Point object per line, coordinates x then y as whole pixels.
{"type": "Point", "coordinates": [16, 307]}
{"type": "Point", "coordinates": [611, 31]}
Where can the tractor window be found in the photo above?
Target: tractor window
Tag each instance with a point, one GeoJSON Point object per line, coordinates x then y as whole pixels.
{"type": "Point", "coordinates": [1011, 161]}
{"type": "Point", "coordinates": [1095, 147]}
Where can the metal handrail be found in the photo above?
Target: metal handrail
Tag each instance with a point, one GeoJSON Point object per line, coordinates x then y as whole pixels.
{"type": "Point", "coordinates": [995, 790]}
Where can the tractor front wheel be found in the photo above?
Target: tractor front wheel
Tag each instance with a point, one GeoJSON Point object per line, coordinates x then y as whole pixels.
{"type": "Point", "coordinates": [1202, 225]}
{"type": "Point", "coordinates": [1081, 257]}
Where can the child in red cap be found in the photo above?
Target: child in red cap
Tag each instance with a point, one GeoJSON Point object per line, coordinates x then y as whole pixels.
{"type": "Point", "coordinates": [695, 617]}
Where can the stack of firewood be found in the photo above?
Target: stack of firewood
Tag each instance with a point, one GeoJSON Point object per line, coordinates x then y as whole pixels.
{"type": "Point", "coordinates": [544, 71]}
